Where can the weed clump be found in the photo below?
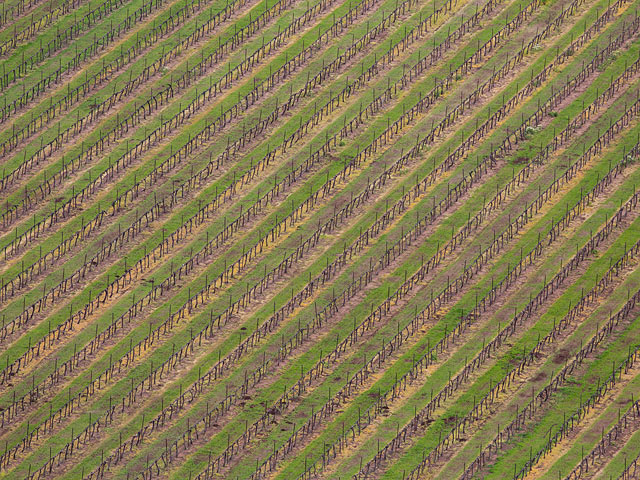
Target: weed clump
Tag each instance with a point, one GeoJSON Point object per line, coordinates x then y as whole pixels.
{"type": "Point", "coordinates": [530, 131]}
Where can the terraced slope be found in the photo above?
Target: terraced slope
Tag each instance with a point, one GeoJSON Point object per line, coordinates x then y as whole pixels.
{"type": "Point", "coordinates": [363, 239]}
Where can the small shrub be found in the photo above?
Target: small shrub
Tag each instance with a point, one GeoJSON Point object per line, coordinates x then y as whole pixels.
{"type": "Point", "coordinates": [529, 131]}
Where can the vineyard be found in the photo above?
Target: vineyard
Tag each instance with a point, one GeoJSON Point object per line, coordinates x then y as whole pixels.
{"type": "Point", "coordinates": [320, 239]}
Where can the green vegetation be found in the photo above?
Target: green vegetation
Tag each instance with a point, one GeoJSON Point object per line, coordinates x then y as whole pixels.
{"type": "Point", "coordinates": [364, 239]}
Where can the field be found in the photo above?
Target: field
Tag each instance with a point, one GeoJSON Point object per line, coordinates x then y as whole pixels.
{"type": "Point", "coordinates": [337, 239]}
